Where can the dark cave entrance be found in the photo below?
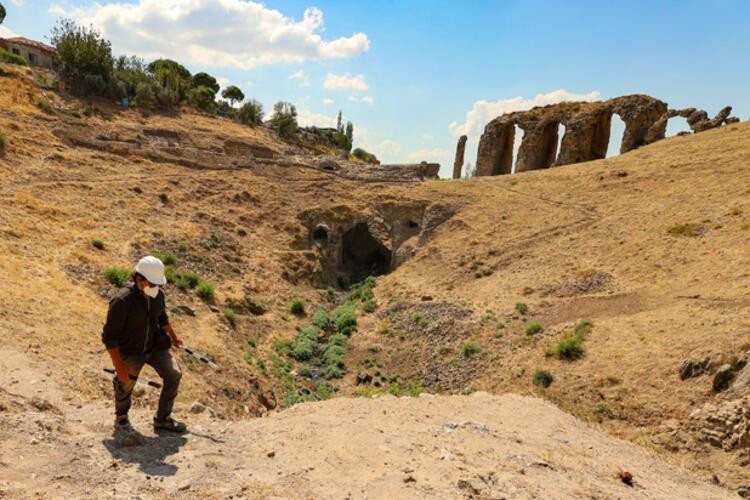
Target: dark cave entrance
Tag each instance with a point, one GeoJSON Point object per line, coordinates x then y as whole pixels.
{"type": "Point", "coordinates": [362, 255]}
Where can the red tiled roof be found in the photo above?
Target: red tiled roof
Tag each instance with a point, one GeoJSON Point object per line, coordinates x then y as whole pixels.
{"type": "Point", "coordinates": [19, 40]}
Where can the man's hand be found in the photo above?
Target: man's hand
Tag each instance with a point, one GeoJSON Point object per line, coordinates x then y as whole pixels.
{"type": "Point", "coordinates": [176, 341]}
{"type": "Point", "coordinates": [121, 369]}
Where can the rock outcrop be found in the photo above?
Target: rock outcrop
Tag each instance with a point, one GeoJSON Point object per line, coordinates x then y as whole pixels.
{"type": "Point", "coordinates": [587, 132]}
{"type": "Point", "coordinates": [459, 162]}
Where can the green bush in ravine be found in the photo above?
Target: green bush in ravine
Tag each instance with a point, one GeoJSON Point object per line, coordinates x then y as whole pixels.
{"type": "Point", "coordinates": [570, 347]}
{"type": "Point", "coordinates": [542, 378]}
{"type": "Point", "coordinates": [118, 276]}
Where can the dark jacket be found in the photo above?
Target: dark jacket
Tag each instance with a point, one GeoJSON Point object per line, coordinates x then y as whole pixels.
{"type": "Point", "coordinates": [135, 323]}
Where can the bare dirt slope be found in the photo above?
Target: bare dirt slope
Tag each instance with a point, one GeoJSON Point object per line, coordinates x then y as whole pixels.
{"type": "Point", "coordinates": [478, 446]}
{"type": "Point", "coordinates": [651, 247]}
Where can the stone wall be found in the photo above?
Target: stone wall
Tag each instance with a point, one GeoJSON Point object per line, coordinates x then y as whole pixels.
{"type": "Point", "coordinates": [587, 132]}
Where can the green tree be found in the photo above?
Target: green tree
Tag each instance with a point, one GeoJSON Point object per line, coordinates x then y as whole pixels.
{"type": "Point", "coordinates": [284, 119]}
{"type": "Point", "coordinates": [145, 97]}
{"type": "Point", "coordinates": [338, 122]}
{"type": "Point", "coordinates": [202, 98]}
{"type": "Point", "coordinates": [204, 80]}
{"type": "Point", "coordinates": [350, 134]}
{"type": "Point", "coordinates": [85, 58]}
{"type": "Point", "coordinates": [233, 94]}
{"type": "Point", "coordinates": [173, 78]}
{"type": "Point", "coordinates": [251, 113]}
{"type": "Point", "coordinates": [2, 13]}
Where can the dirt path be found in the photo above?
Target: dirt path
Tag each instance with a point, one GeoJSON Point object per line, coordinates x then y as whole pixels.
{"type": "Point", "coordinates": [478, 446]}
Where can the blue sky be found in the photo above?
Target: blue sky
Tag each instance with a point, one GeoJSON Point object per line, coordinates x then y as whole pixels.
{"type": "Point", "coordinates": [411, 71]}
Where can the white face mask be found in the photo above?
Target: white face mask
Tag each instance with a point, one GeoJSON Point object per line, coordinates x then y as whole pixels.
{"type": "Point", "coordinates": [151, 291]}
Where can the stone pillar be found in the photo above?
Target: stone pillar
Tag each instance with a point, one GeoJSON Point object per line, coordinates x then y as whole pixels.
{"type": "Point", "coordinates": [539, 147]}
{"type": "Point", "coordinates": [586, 137]}
{"type": "Point", "coordinates": [459, 162]}
{"type": "Point", "coordinates": [640, 113]}
{"type": "Point", "coordinates": [495, 153]}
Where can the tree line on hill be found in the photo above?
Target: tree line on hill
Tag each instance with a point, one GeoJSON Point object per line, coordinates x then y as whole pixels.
{"type": "Point", "coordinates": [86, 64]}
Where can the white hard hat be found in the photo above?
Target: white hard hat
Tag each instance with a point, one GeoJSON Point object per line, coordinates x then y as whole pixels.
{"type": "Point", "coordinates": [152, 269]}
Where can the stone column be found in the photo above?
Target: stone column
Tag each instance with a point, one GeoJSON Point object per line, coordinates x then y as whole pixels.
{"type": "Point", "coordinates": [495, 153]}
{"type": "Point", "coordinates": [459, 162]}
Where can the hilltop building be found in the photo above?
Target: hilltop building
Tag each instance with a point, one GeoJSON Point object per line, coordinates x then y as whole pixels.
{"type": "Point", "coordinates": [37, 53]}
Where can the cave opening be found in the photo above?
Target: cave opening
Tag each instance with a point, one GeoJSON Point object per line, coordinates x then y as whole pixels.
{"type": "Point", "coordinates": [362, 255]}
{"type": "Point", "coordinates": [320, 234]}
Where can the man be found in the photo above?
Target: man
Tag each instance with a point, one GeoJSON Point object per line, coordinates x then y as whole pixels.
{"type": "Point", "coordinates": [134, 335]}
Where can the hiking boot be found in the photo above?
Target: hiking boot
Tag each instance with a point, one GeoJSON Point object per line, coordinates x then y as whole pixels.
{"type": "Point", "coordinates": [122, 424]}
{"type": "Point", "coordinates": [171, 425]}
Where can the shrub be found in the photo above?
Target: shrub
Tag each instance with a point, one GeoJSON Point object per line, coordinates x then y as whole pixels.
{"type": "Point", "coordinates": [522, 308]}
{"type": "Point", "coordinates": [297, 306]}
{"type": "Point", "coordinates": [331, 295]}
{"type": "Point", "coordinates": [145, 97]}
{"type": "Point", "coordinates": [206, 291]}
{"type": "Point", "coordinates": [363, 155]}
{"type": "Point", "coordinates": [470, 348]}
{"type": "Point", "coordinates": [98, 244]}
{"type": "Point", "coordinates": [369, 306]}
{"type": "Point", "coordinates": [167, 258]}
{"type": "Point", "coordinates": [542, 378]}
{"type": "Point", "coordinates": [321, 320]}
{"type": "Point", "coordinates": [306, 344]}
{"type": "Point", "coordinates": [345, 319]}
{"type": "Point", "coordinates": [251, 113]}
{"type": "Point", "coordinates": [10, 58]}
{"type": "Point", "coordinates": [85, 57]}
{"type": "Point", "coordinates": [570, 347]}
{"type": "Point", "coordinates": [118, 276]}
{"type": "Point", "coordinates": [533, 328]}
{"type": "Point", "coordinates": [583, 327]}
{"type": "Point", "coordinates": [230, 316]}
{"type": "Point", "coordinates": [186, 279]}
{"type": "Point", "coordinates": [284, 119]}
{"type": "Point", "coordinates": [689, 229]}
{"type": "Point", "coordinates": [202, 98]}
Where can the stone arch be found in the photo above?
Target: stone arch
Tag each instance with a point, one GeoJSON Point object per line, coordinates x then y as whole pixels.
{"type": "Point", "coordinates": [677, 125]}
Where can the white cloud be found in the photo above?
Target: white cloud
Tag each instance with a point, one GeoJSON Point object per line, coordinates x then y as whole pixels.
{"type": "Point", "coordinates": [356, 82]}
{"type": "Point", "coordinates": [427, 137]}
{"type": "Point", "coordinates": [438, 155]}
{"type": "Point", "coordinates": [352, 98]}
{"type": "Point", "coordinates": [307, 118]}
{"type": "Point", "coordinates": [327, 101]}
{"type": "Point", "coordinates": [18, 3]}
{"type": "Point", "coordinates": [249, 84]}
{"type": "Point", "coordinates": [6, 32]}
{"type": "Point", "coordinates": [302, 79]}
{"type": "Point", "coordinates": [484, 111]}
{"type": "Point", "coordinates": [249, 34]}
{"type": "Point", "coordinates": [223, 83]}
{"type": "Point", "coordinates": [368, 100]}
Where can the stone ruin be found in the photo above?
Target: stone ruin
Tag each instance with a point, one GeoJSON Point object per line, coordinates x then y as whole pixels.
{"type": "Point", "coordinates": [587, 130]}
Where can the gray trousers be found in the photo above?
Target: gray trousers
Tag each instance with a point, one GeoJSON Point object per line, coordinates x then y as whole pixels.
{"type": "Point", "coordinates": [165, 365]}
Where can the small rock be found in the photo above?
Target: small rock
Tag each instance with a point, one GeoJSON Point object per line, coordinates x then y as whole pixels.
{"type": "Point", "coordinates": [723, 377]}
{"type": "Point", "coordinates": [182, 309]}
{"type": "Point", "coordinates": [426, 298]}
{"type": "Point", "coordinates": [410, 479]}
{"type": "Point", "coordinates": [41, 404]}
{"type": "Point", "coordinates": [271, 453]}
{"type": "Point", "coordinates": [213, 309]}
{"type": "Point", "coordinates": [744, 491]}
{"type": "Point", "coordinates": [197, 407]}
{"type": "Point", "coordinates": [184, 486]}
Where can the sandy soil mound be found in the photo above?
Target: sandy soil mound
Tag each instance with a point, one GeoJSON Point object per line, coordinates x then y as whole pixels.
{"type": "Point", "coordinates": [478, 446]}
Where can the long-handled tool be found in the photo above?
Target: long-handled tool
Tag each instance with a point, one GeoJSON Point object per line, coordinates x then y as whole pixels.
{"type": "Point", "coordinates": [199, 357]}
{"type": "Point", "coordinates": [133, 377]}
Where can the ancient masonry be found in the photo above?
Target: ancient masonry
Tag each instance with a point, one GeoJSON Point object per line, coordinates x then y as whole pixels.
{"type": "Point", "coordinates": [587, 130]}
{"type": "Point", "coordinates": [459, 162]}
